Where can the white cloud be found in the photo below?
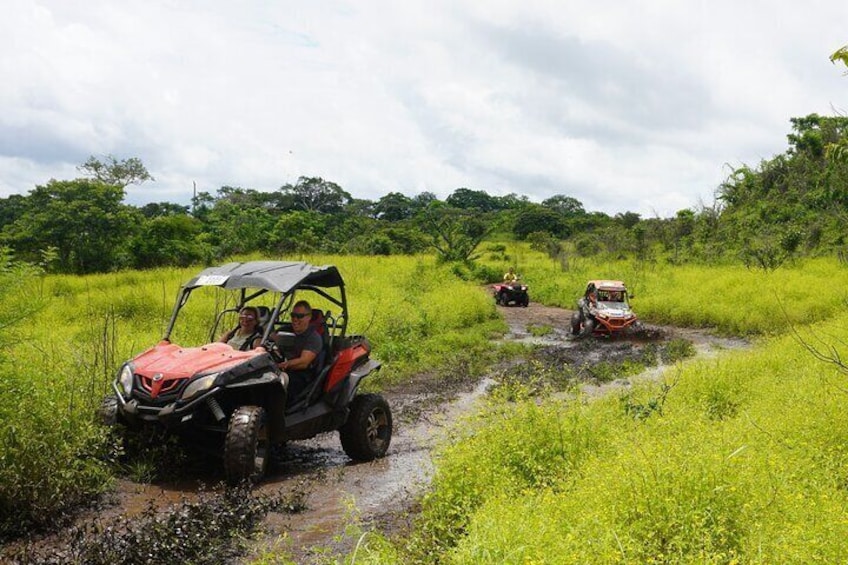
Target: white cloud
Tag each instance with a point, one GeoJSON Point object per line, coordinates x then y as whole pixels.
{"type": "Point", "coordinates": [625, 106]}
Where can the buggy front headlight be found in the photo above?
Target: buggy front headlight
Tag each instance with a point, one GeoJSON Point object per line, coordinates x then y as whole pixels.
{"type": "Point", "coordinates": [199, 385]}
{"type": "Point", "coordinates": [125, 378]}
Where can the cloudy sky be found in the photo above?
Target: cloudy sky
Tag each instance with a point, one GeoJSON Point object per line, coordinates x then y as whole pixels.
{"type": "Point", "coordinates": [627, 106]}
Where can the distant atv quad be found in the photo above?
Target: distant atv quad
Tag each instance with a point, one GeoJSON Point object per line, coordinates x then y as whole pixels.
{"type": "Point", "coordinates": [507, 293]}
{"type": "Point", "coordinates": [603, 310]}
{"type": "Point", "coordinates": [236, 402]}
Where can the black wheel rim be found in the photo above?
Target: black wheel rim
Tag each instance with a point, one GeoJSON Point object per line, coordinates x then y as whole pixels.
{"type": "Point", "coordinates": [376, 428]}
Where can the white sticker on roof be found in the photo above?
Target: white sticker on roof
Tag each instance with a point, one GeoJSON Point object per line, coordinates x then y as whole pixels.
{"type": "Point", "coordinates": [212, 280]}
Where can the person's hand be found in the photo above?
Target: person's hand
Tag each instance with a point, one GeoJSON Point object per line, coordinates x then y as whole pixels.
{"type": "Point", "coordinates": [274, 350]}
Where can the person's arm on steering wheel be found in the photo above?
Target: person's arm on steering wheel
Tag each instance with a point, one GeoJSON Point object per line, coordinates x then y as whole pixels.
{"type": "Point", "coordinates": [299, 363]}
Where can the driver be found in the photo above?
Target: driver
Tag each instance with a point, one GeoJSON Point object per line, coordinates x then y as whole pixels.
{"type": "Point", "coordinates": [302, 352]}
{"type": "Point", "coordinates": [510, 276]}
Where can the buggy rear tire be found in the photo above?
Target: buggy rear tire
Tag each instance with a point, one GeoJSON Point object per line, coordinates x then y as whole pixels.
{"type": "Point", "coordinates": [366, 434]}
{"type": "Point", "coordinates": [246, 445]}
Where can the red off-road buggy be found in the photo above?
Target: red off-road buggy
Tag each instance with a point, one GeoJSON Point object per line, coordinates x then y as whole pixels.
{"type": "Point", "coordinates": [603, 310]}
{"type": "Point", "coordinates": [237, 401]}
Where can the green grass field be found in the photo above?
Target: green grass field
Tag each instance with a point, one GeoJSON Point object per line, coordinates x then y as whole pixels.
{"type": "Point", "coordinates": [747, 462]}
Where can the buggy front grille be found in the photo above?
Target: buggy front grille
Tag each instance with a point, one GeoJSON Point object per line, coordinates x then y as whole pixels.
{"type": "Point", "coordinates": [159, 389]}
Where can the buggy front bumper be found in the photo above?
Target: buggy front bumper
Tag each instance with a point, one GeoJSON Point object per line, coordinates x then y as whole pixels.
{"type": "Point", "coordinates": [170, 415]}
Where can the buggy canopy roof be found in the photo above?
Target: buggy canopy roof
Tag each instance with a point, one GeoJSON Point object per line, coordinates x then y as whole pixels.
{"type": "Point", "coordinates": [280, 276]}
{"type": "Point", "coordinates": [608, 285]}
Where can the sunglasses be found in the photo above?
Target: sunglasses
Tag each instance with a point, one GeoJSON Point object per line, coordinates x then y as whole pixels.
{"type": "Point", "coordinates": [296, 316]}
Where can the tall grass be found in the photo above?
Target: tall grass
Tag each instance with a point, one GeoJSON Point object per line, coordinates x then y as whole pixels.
{"type": "Point", "coordinates": [747, 463]}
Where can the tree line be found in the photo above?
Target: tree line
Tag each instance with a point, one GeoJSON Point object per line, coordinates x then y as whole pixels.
{"type": "Point", "coordinates": [795, 203]}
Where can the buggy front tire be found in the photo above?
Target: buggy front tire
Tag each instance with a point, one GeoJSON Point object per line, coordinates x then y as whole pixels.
{"type": "Point", "coordinates": [107, 413]}
{"type": "Point", "coordinates": [588, 328]}
{"type": "Point", "coordinates": [576, 320]}
{"type": "Point", "coordinates": [368, 431]}
{"type": "Point", "coordinates": [246, 445]}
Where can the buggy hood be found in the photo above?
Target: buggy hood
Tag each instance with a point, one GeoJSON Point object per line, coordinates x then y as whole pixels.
{"type": "Point", "coordinates": [175, 362]}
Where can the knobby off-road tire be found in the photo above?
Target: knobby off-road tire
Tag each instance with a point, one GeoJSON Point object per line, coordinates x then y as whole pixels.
{"type": "Point", "coordinates": [107, 413]}
{"type": "Point", "coordinates": [246, 445]}
{"type": "Point", "coordinates": [576, 321]}
{"type": "Point", "coordinates": [368, 431]}
{"type": "Point", "coordinates": [588, 328]}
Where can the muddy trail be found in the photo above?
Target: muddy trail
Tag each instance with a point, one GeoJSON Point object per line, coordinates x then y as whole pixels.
{"type": "Point", "coordinates": [325, 491]}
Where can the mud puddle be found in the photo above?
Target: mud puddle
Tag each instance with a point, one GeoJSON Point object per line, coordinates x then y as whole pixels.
{"type": "Point", "coordinates": [381, 494]}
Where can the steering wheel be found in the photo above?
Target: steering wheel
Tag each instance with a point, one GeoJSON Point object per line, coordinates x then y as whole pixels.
{"type": "Point", "coordinates": [274, 350]}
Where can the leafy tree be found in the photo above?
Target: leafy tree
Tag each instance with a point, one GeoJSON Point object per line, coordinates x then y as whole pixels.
{"type": "Point", "coordinates": [454, 233]}
{"type": "Point", "coordinates": [84, 220]}
{"type": "Point", "coordinates": [361, 207]}
{"type": "Point", "coordinates": [314, 194]}
{"type": "Point", "coordinates": [11, 208]}
{"type": "Point", "coordinates": [252, 198]}
{"type": "Point", "coordinates": [681, 230]}
{"type": "Point", "coordinates": [157, 209]}
{"type": "Point", "coordinates": [394, 207]}
{"type": "Point", "coordinates": [172, 239]}
{"type": "Point", "coordinates": [110, 170]}
{"type": "Point", "coordinates": [202, 204]}
{"type": "Point", "coordinates": [566, 206]}
{"type": "Point", "coordinates": [423, 199]}
{"type": "Point", "coordinates": [235, 229]}
{"type": "Point", "coordinates": [299, 231]}
{"type": "Point", "coordinates": [467, 199]}
{"type": "Point", "coordinates": [626, 219]}
{"type": "Point", "coordinates": [513, 201]}
{"type": "Point", "coordinates": [536, 218]}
